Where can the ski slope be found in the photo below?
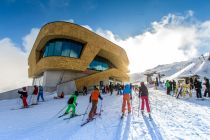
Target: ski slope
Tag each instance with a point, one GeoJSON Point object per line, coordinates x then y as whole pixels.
{"type": "Point", "coordinates": [172, 119]}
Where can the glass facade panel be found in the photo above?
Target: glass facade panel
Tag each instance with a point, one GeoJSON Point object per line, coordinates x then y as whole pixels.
{"type": "Point", "coordinates": [75, 50]}
{"type": "Point", "coordinates": [45, 51]}
{"type": "Point", "coordinates": [50, 49]}
{"type": "Point", "coordinates": [99, 64]}
{"type": "Point", "coordinates": [66, 49]}
{"type": "Point", "coordinates": [63, 47]}
{"type": "Point", "coordinates": [58, 48]}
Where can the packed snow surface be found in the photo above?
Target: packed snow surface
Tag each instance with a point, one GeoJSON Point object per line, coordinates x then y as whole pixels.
{"type": "Point", "coordinates": [186, 118]}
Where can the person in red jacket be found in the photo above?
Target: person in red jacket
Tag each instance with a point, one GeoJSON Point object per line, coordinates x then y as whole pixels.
{"type": "Point", "coordinates": [61, 96]}
{"type": "Point", "coordinates": [34, 95]}
{"type": "Point", "coordinates": [24, 96]}
{"type": "Point", "coordinates": [94, 99]}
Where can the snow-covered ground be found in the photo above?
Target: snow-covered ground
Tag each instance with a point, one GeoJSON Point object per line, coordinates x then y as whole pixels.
{"type": "Point", "coordinates": [172, 119]}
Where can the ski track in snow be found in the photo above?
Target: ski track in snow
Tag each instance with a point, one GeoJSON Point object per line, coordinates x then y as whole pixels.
{"type": "Point", "coordinates": [175, 119]}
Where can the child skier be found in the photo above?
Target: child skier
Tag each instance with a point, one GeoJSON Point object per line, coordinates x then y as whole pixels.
{"type": "Point", "coordinates": [24, 96]}
{"type": "Point", "coordinates": [126, 99]}
{"type": "Point", "coordinates": [72, 103]}
{"type": "Point", "coordinates": [94, 99]}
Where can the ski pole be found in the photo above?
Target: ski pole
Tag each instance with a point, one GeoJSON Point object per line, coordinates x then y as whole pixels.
{"type": "Point", "coordinates": [19, 101]}
{"type": "Point", "coordinates": [60, 110]}
{"type": "Point", "coordinates": [131, 103]}
{"type": "Point", "coordinates": [139, 107]}
{"type": "Point", "coordinates": [101, 107]}
{"type": "Point", "coordinates": [139, 104]}
{"type": "Point", "coordinates": [85, 112]}
{"type": "Point", "coordinates": [30, 99]}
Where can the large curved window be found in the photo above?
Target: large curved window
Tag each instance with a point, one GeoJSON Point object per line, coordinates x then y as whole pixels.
{"type": "Point", "coordinates": [63, 47]}
{"type": "Point", "coordinates": [99, 64]}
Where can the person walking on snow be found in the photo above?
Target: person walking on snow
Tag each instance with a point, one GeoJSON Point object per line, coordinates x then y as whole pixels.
{"type": "Point", "coordinates": [126, 99]}
{"type": "Point", "coordinates": [198, 87]}
{"type": "Point", "coordinates": [24, 96]}
{"type": "Point", "coordinates": [143, 93]}
{"type": "Point", "coordinates": [206, 87]}
{"type": "Point", "coordinates": [168, 88]}
{"type": "Point", "coordinates": [34, 95]}
{"type": "Point", "coordinates": [94, 99]}
{"type": "Point", "coordinates": [40, 94]}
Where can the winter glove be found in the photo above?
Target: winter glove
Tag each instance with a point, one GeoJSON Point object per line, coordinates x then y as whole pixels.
{"type": "Point", "coordinates": [131, 98]}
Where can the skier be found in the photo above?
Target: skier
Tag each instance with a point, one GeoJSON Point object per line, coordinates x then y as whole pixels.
{"type": "Point", "coordinates": [168, 88]}
{"type": "Point", "coordinates": [24, 96]}
{"type": "Point", "coordinates": [143, 93]}
{"type": "Point", "coordinates": [40, 94]}
{"type": "Point", "coordinates": [72, 103]}
{"type": "Point", "coordinates": [34, 95]}
{"type": "Point", "coordinates": [84, 90]}
{"type": "Point", "coordinates": [174, 87]}
{"type": "Point", "coordinates": [119, 89]}
{"type": "Point", "coordinates": [179, 89]}
{"type": "Point", "coordinates": [94, 99]}
{"type": "Point", "coordinates": [197, 85]}
{"type": "Point", "coordinates": [111, 88]}
{"type": "Point", "coordinates": [126, 99]}
{"type": "Point", "coordinates": [206, 87]}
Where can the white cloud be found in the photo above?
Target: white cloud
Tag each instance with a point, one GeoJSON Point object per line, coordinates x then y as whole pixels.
{"type": "Point", "coordinates": [29, 39]}
{"type": "Point", "coordinates": [173, 38]}
{"type": "Point", "coordinates": [69, 20]}
{"type": "Point", "coordinates": [13, 61]}
{"type": "Point", "coordinates": [87, 27]}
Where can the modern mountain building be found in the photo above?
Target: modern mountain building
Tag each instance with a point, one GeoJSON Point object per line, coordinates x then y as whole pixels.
{"type": "Point", "coordinates": [67, 57]}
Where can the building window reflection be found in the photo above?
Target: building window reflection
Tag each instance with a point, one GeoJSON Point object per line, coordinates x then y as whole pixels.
{"type": "Point", "coordinates": [63, 47]}
{"type": "Point", "coordinates": [100, 64]}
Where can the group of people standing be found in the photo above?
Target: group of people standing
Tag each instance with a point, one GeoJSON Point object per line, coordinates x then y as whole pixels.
{"type": "Point", "coordinates": [35, 96]}
{"type": "Point", "coordinates": [183, 88]}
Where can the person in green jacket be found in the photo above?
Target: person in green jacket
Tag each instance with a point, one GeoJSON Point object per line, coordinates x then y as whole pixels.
{"type": "Point", "coordinates": [72, 103]}
{"type": "Point", "coordinates": [168, 87]}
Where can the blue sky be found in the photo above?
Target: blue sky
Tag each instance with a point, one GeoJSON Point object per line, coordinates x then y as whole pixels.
{"type": "Point", "coordinates": [123, 17]}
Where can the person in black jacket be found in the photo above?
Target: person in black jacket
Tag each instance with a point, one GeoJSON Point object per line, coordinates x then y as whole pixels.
{"type": "Point", "coordinates": [23, 96]}
{"type": "Point", "coordinates": [206, 84]}
{"type": "Point", "coordinates": [197, 85]}
{"type": "Point", "coordinates": [84, 90]}
{"type": "Point", "coordinates": [143, 94]}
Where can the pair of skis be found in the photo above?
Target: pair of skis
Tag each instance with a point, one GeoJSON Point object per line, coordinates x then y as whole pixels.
{"type": "Point", "coordinates": [90, 120]}
{"type": "Point", "coordinates": [76, 115]}
{"type": "Point", "coordinates": [71, 116]}
{"type": "Point", "coordinates": [29, 106]}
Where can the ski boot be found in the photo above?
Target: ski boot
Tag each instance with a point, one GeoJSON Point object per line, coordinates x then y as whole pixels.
{"type": "Point", "coordinates": [122, 115]}
{"type": "Point", "coordinates": [142, 113]}
{"type": "Point", "coordinates": [150, 117]}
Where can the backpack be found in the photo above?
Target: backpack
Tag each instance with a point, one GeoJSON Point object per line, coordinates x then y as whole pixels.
{"type": "Point", "coordinates": [71, 100]}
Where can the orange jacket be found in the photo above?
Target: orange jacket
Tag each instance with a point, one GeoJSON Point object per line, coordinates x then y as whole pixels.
{"type": "Point", "coordinates": [95, 95]}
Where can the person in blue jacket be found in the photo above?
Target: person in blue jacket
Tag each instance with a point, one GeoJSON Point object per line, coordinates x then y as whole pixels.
{"type": "Point", "coordinates": [40, 94]}
{"type": "Point", "coordinates": [126, 99]}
